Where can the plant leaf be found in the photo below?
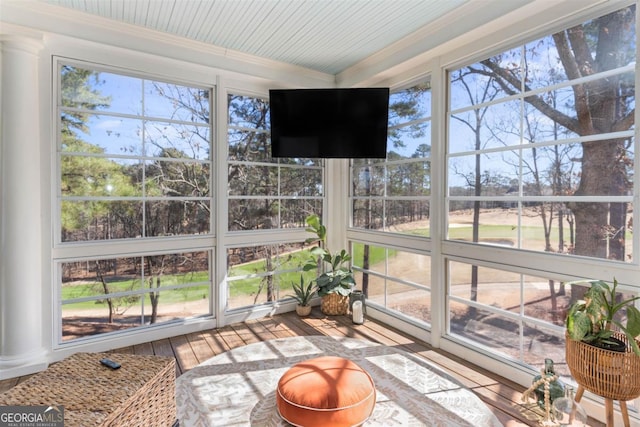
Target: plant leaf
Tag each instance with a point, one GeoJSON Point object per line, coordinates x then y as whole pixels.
{"type": "Point", "coordinates": [313, 221]}
{"type": "Point", "coordinates": [634, 346]}
{"type": "Point", "coordinates": [310, 266]}
{"type": "Point", "coordinates": [318, 251]}
{"type": "Point", "coordinates": [580, 327]}
{"type": "Point", "coordinates": [633, 321]}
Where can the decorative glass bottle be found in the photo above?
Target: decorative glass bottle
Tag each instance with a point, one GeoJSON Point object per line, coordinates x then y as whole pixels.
{"type": "Point", "coordinates": [567, 412]}
{"type": "Point", "coordinates": [548, 380]}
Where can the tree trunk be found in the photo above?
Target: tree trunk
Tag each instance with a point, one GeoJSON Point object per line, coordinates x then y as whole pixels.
{"type": "Point", "coordinates": [593, 227]}
{"type": "Point", "coordinates": [554, 301]}
{"type": "Point", "coordinates": [476, 235]}
{"type": "Point", "coordinates": [601, 106]}
{"type": "Point", "coordinates": [154, 297]}
{"type": "Point", "coordinates": [269, 264]}
{"type": "Point", "coordinates": [603, 171]}
{"type": "Point", "coordinates": [105, 288]}
{"type": "Point", "coordinates": [365, 266]}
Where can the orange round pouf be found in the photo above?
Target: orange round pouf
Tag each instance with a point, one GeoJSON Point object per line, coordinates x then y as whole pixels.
{"type": "Point", "coordinates": [326, 391]}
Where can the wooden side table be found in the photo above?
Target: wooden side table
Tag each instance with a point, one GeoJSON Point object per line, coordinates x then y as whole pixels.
{"type": "Point", "coordinates": [140, 393]}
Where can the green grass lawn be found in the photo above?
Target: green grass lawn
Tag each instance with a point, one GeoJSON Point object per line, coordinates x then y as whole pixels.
{"type": "Point", "coordinates": [376, 254]}
{"type": "Point", "coordinates": [166, 297]}
{"type": "Point", "coordinates": [533, 238]}
{"type": "Point", "coordinates": [83, 290]}
{"type": "Point", "coordinates": [290, 261]}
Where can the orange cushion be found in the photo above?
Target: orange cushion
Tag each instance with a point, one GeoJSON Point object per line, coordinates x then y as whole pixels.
{"type": "Point", "coordinates": [326, 391]}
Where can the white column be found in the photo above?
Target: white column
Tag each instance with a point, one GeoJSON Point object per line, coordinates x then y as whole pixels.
{"type": "Point", "coordinates": [21, 260]}
{"type": "Point", "coordinates": [337, 215]}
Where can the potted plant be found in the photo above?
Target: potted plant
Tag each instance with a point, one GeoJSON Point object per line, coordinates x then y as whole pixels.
{"type": "Point", "coordinates": [303, 293]}
{"type": "Point", "coordinates": [593, 318]}
{"type": "Point", "coordinates": [336, 281]}
{"type": "Point", "coordinates": [594, 328]}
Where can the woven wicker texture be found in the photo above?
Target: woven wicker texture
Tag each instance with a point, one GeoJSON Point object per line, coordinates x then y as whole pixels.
{"type": "Point", "coordinates": [334, 304]}
{"type": "Point", "coordinates": [609, 374]}
{"type": "Point", "coordinates": [140, 393]}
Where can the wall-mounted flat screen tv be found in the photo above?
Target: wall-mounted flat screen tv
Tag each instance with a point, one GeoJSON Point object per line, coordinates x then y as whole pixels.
{"type": "Point", "coordinates": [329, 123]}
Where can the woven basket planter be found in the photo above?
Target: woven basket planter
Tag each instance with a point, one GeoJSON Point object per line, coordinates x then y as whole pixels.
{"type": "Point", "coordinates": [334, 304]}
{"type": "Point", "coordinates": [303, 310]}
{"type": "Point", "coordinates": [610, 374]}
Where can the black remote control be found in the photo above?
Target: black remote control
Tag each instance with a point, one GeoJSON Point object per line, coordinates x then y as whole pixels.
{"type": "Point", "coordinates": [110, 363]}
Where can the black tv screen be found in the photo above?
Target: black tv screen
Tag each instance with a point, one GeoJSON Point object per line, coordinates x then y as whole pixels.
{"type": "Point", "coordinates": [329, 123]}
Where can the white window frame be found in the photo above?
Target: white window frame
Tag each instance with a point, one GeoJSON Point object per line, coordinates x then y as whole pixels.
{"type": "Point", "coordinates": [106, 249]}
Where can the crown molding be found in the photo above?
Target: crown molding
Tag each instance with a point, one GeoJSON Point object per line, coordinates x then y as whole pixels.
{"type": "Point", "coordinates": [494, 22]}
{"type": "Point", "coordinates": [56, 20]}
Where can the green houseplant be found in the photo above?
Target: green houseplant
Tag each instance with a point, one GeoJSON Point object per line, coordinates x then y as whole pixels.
{"type": "Point", "coordinates": [335, 281]}
{"type": "Point", "coordinates": [593, 325]}
{"type": "Point", "coordinates": [303, 294]}
{"type": "Point", "coordinates": [593, 319]}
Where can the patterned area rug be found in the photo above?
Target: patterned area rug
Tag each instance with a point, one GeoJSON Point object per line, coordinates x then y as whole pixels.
{"type": "Point", "coordinates": [237, 388]}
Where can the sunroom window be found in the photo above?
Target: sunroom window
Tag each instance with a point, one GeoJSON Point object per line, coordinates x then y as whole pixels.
{"type": "Point", "coordinates": [134, 166]}
{"type": "Point", "coordinates": [393, 196]}
{"type": "Point", "coordinates": [540, 176]}
{"type": "Point", "coordinates": [541, 147]}
{"type": "Point", "coordinates": [266, 192]}
{"type": "Point", "coordinates": [268, 201]}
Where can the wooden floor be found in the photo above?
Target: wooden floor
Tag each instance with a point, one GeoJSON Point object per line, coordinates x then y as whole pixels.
{"type": "Point", "coordinates": [502, 396]}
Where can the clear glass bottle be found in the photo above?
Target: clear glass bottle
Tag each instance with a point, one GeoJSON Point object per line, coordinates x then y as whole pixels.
{"type": "Point", "coordinates": [565, 411]}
